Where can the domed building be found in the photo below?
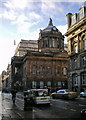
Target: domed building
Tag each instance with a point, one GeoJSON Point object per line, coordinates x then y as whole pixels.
{"type": "Point", "coordinates": [45, 67]}
{"type": "Point", "coordinates": [50, 39]}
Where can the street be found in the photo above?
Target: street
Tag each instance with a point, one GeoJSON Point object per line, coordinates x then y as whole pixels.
{"type": "Point", "coordinates": [59, 109]}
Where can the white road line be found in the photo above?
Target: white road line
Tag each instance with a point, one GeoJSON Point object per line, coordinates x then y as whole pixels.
{"type": "Point", "coordinates": [20, 115]}
{"type": "Point", "coordinates": [20, 99]}
{"type": "Point", "coordinates": [81, 105]}
{"type": "Point", "coordinates": [59, 100]}
{"type": "Point", "coordinates": [73, 110]}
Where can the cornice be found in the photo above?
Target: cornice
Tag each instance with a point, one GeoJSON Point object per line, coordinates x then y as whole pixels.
{"type": "Point", "coordinates": [76, 26]}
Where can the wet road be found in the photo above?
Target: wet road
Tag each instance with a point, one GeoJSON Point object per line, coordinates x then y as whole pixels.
{"type": "Point", "coordinates": [59, 109]}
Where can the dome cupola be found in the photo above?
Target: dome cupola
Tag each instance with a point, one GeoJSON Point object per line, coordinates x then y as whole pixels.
{"type": "Point", "coordinates": [50, 39]}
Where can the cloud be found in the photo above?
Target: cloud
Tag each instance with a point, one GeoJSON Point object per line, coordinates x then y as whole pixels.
{"type": "Point", "coordinates": [25, 27]}
{"type": "Point", "coordinates": [34, 15]}
{"type": "Point", "coordinates": [16, 4]}
{"type": "Point", "coordinates": [63, 30]}
{"type": "Point", "coordinates": [9, 15]}
{"type": "Point", "coordinates": [51, 8]}
{"type": "Point", "coordinates": [7, 50]}
{"type": "Point", "coordinates": [21, 13]}
{"type": "Point", "coordinates": [60, 0]}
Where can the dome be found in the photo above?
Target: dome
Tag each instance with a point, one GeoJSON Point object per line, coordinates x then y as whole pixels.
{"type": "Point", "coordinates": [50, 39]}
{"type": "Point", "coordinates": [51, 29]}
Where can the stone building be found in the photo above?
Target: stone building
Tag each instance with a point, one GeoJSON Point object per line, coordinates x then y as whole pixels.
{"type": "Point", "coordinates": [5, 78]}
{"type": "Point", "coordinates": [45, 67]}
{"type": "Point", "coordinates": [76, 37]}
{"type": "Point", "coordinates": [25, 45]}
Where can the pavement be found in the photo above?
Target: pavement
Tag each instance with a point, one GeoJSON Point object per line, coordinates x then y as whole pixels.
{"type": "Point", "coordinates": [10, 111]}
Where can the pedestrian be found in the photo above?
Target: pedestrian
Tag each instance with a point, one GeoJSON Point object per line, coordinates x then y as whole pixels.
{"type": "Point", "coordinates": [13, 92]}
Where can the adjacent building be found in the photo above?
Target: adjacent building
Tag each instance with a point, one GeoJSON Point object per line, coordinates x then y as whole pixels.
{"type": "Point", "coordinates": [25, 45]}
{"type": "Point", "coordinates": [76, 37]}
{"type": "Point", "coordinates": [46, 66]}
{"type": "Point", "coordinates": [5, 78]}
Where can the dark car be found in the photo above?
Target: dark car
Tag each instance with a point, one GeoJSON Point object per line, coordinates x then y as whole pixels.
{"type": "Point", "coordinates": [6, 90]}
{"type": "Point", "coordinates": [83, 114]}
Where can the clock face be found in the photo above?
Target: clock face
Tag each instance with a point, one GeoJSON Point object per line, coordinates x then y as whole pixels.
{"type": "Point", "coordinates": [54, 28]}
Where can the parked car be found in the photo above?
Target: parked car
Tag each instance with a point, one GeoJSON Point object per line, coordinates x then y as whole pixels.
{"type": "Point", "coordinates": [83, 94]}
{"type": "Point", "coordinates": [6, 90]}
{"type": "Point", "coordinates": [83, 114]}
{"type": "Point", "coordinates": [65, 94]}
{"type": "Point", "coordinates": [38, 96]}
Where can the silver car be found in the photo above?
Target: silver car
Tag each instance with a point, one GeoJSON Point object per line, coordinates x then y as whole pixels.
{"type": "Point", "coordinates": [65, 94]}
{"type": "Point", "coordinates": [83, 94]}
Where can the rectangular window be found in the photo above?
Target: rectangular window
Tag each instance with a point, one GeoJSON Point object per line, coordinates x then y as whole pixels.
{"type": "Point", "coordinates": [74, 18]}
{"type": "Point", "coordinates": [64, 71]}
{"type": "Point", "coordinates": [41, 84]}
{"type": "Point", "coordinates": [49, 83]}
{"type": "Point", "coordinates": [81, 13]}
{"type": "Point", "coordinates": [33, 84]}
{"type": "Point", "coordinates": [75, 80]}
{"type": "Point", "coordinates": [74, 64]}
{"type": "Point", "coordinates": [83, 60]}
{"type": "Point", "coordinates": [75, 49]}
{"type": "Point", "coordinates": [59, 83]}
{"type": "Point", "coordinates": [49, 70]}
{"type": "Point", "coordinates": [33, 69]}
{"type": "Point", "coordinates": [84, 44]}
{"type": "Point", "coordinates": [83, 78]}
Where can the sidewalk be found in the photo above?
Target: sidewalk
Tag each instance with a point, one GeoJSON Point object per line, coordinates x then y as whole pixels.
{"type": "Point", "coordinates": [10, 111]}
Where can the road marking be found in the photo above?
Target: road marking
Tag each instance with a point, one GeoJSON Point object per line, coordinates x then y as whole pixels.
{"type": "Point", "coordinates": [20, 115]}
{"type": "Point", "coordinates": [73, 110]}
{"type": "Point", "coordinates": [81, 105]}
{"type": "Point", "coordinates": [20, 99]}
{"type": "Point", "coordinates": [59, 100]}
{"type": "Point", "coordinates": [64, 108]}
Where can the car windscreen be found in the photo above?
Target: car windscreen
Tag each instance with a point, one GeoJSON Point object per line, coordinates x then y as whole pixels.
{"type": "Point", "coordinates": [41, 93]}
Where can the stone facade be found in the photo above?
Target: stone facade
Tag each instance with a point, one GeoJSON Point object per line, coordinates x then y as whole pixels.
{"type": "Point", "coordinates": [76, 37]}
{"type": "Point", "coordinates": [45, 67]}
{"type": "Point", "coordinates": [45, 70]}
{"type": "Point", "coordinates": [25, 45]}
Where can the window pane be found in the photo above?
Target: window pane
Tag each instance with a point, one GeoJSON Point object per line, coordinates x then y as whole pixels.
{"type": "Point", "coordinates": [84, 44]}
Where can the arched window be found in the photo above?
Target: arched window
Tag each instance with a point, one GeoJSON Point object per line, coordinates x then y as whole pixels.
{"type": "Point", "coordinates": [65, 71]}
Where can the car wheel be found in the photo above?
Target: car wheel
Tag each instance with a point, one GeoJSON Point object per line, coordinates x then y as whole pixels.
{"type": "Point", "coordinates": [53, 96]}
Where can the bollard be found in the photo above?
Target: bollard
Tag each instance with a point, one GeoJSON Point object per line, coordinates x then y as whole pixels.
{"type": "Point", "coordinates": [28, 102]}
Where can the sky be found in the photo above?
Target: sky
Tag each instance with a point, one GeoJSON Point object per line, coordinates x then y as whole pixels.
{"type": "Point", "coordinates": [23, 19]}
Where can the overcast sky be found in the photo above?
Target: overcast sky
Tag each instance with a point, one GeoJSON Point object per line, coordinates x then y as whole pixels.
{"type": "Point", "coordinates": [23, 19]}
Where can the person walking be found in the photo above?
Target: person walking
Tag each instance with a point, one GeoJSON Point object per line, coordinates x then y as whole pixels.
{"type": "Point", "coordinates": [13, 92]}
